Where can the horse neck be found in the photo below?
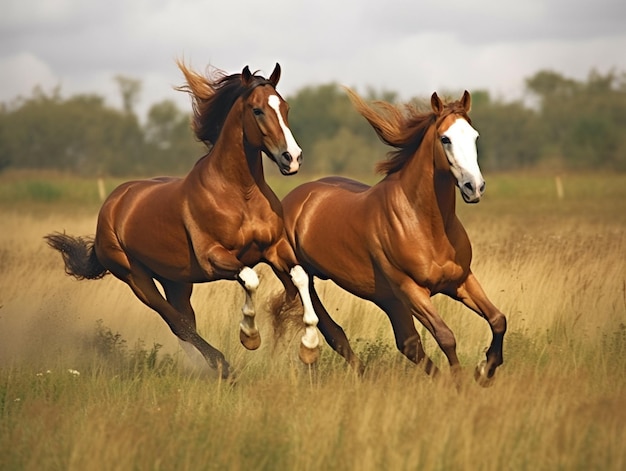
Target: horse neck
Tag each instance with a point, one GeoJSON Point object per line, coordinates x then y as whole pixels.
{"type": "Point", "coordinates": [239, 164]}
{"type": "Point", "coordinates": [430, 190]}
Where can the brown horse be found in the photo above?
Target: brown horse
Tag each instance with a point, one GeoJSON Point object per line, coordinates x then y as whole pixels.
{"type": "Point", "coordinates": [215, 223]}
{"type": "Point", "coordinates": [399, 242]}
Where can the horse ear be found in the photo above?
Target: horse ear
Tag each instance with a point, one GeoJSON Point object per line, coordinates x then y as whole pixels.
{"type": "Point", "coordinates": [246, 75]}
{"type": "Point", "coordinates": [275, 77]}
{"type": "Point", "coordinates": [466, 101]}
{"type": "Point", "coordinates": [436, 103]}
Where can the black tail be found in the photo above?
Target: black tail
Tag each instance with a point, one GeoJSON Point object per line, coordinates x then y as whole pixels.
{"type": "Point", "coordinates": [79, 256]}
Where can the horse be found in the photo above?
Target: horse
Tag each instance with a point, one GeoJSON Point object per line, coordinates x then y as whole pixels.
{"type": "Point", "coordinates": [399, 242]}
{"type": "Point", "coordinates": [215, 223]}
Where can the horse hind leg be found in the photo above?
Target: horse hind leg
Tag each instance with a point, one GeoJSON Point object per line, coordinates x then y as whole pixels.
{"type": "Point", "coordinates": [309, 344]}
{"type": "Point", "coordinates": [181, 322]}
{"type": "Point", "coordinates": [249, 333]}
{"type": "Point", "coordinates": [179, 296]}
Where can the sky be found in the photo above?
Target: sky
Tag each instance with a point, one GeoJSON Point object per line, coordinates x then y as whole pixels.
{"type": "Point", "coordinates": [410, 47]}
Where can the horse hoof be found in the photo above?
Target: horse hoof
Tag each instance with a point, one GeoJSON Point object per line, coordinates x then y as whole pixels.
{"type": "Point", "coordinates": [309, 355]}
{"type": "Point", "coordinates": [231, 379]}
{"type": "Point", "coordinates": [481, 375]}
{"type": "Point", "coordinates": [251, 342]}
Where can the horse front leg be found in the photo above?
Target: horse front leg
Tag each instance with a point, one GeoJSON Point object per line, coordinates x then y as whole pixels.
{"type": "Point", "coordinates": [472, 295]}
{"type": "Point", "coordinates": [222, 264]}
{"type": "Point", "coordinates": [283, 260]}
{"type": "Point", "coordinates": [417, 299]}
{"type": "Point", "coordinates": [332, 332]}
{"type": "Point", "coordinates": [408, 340]}
{"type": "Point", "coordinates": [249, 334]}
{"type": "Point", "coordinates": [309, 344]}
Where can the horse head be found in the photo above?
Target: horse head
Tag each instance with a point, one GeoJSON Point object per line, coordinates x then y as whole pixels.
{"type": "Point", "coordinates": [265, 124]}
{"type": "Point", "coordinates": [458, 139]}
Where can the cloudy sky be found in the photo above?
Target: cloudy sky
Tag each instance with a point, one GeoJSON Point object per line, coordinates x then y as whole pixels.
{"type": "Point", "coordinates": [412, 47]}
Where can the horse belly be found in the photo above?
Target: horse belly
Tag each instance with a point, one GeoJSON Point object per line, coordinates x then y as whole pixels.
{"type": "Point", "coordinates": [352, 274]}
{"type": "Point", "coordinates": [169, 256]}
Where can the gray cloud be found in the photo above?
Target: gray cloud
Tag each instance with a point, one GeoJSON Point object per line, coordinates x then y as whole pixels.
{"type": "Point", "coordinates": [409, 47]}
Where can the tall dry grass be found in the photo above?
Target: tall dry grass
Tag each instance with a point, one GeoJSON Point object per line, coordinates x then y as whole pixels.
{"type": "Point", "coordinates": [92, 379]}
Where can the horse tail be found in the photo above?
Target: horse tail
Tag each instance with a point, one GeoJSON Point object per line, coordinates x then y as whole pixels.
{"type": "Point", "coordinates": [79, 256]}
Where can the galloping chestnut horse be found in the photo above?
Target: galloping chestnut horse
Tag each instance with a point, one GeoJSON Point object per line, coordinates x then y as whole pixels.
{"type": "Point", "coordinates": [399, 242]}
{"type": "Point", "coordinates": [215, 223]}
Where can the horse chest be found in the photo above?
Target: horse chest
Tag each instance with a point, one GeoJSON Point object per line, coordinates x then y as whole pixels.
{"type": "Point", "coordinates": [257, 237]}
{"type": "Point", "coordinates": [435, 267]}
{"type": "Point", "coordinates": [256, 234]}
{"type": "Point", "coordinates": [440, 275]}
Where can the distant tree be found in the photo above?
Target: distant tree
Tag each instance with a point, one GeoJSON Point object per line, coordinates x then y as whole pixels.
{"type": "Point", "coordinates": [332, 134]}
{"type": "Point", "coordinates": [173, 146]}
{"type": "Point", "coordinates": [78, 134]}
{"type": "Point", "coordinates": [584, 121]}
{"type": "Point", "coordinates": [509, 134]}
{"type": "Point", "coordinates": [572, 124]}
{"type": "Point", "coordinates": [549, 85]}
{"type": "Point", "coordinates": [312, 116]}
{"type": "Point", "coordinates": [129, 89]}
{"type": "Point", "coordinates": [345, 153]}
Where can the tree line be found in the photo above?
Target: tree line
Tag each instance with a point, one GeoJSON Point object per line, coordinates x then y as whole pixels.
{"type": "Point", "coordinates": [563, 124]}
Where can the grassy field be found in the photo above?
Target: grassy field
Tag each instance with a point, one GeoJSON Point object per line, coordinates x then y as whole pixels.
{"type": "Point", "coordinates": [92, 379]}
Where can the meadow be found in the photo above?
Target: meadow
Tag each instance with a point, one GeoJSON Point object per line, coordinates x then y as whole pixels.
{"type": "Point", "coordinates": [92, 379]}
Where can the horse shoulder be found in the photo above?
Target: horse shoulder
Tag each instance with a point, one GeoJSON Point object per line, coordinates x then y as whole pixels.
{"type": "Point", "coordinates": [406, 248]}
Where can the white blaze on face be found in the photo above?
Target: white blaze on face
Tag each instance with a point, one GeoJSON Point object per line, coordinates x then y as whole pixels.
{"type": "Point", "coordinates": [292, 146]}
{"type": "Point", "coordinates": [463, 157]}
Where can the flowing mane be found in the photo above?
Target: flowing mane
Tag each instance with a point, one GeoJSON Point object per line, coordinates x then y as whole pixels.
{"type": "Point", "coordinates": [400, 127]}
{"type": "Point", "coordinates": [212, 96]}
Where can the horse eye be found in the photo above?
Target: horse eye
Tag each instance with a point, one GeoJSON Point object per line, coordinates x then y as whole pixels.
{"type": "Point", "coordinates": [445, 140]}
{"type": "Point", "coordinates": [257, 111]}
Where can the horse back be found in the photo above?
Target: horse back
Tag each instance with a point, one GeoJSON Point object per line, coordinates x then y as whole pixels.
{"type": "Point", "coordinates": [345, 183]}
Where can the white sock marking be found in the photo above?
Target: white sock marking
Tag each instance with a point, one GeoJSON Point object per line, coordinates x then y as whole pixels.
{"type": "Point", "coordinates": [251, 283]}
{"type": "Point", "coordinates": [300, 279]}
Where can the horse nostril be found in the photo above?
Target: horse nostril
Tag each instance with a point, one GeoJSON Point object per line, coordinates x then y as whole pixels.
{"type": "Point", "coordinates": [482, 187]}
{"type": "Point", "coordinates": [469, 186]}
{"type": "Point", "coordinates": [287, 157]}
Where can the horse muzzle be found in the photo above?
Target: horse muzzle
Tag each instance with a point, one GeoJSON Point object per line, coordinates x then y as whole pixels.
{"type": "Point", "coordinates": [287, 164]}
{"type": "Point", "coordinates": [472, 191]}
